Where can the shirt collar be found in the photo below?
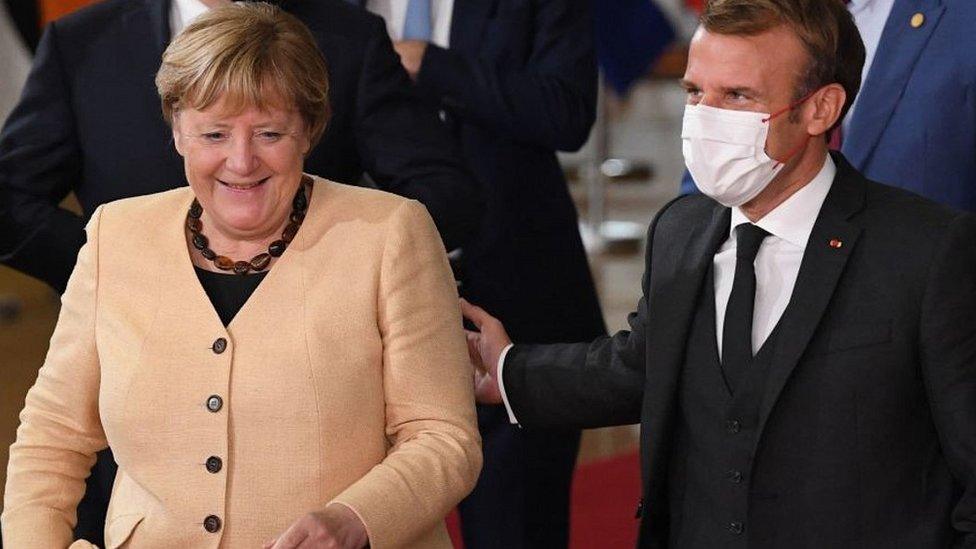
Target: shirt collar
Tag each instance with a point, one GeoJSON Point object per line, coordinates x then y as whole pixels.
{"type": "Point", "coordinates": [793, 220]}
{"type": "Point", "coordinates": [182, 13]}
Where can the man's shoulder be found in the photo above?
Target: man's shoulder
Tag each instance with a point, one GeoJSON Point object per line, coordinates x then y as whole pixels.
{"type": "Point", "coordinates": [899, 213]}
{"type": "Point", "coordinates": [98, 17]}
{"type": "Point", "coordinates": [683, 213]}
{"type": "Point", "coordinates": [334, 18]}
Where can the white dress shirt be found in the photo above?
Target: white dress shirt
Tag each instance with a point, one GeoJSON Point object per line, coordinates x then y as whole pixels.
{"type": "Point", "coordinates": [777, 264]}
{"type": "Point", "coordinates": [789, 226]}
{"type": "Point", "coordinates": [394, 12]}
{"type": "Point", "coordinates": [182, 13]}
{"type": "Point", "coordinates": [870, 17]}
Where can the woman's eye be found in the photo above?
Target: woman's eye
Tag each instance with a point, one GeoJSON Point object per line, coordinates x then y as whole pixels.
{"type": "Point", "coordinates": [270, 136]}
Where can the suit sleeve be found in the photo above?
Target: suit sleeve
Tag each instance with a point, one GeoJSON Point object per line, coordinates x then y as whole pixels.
{"type": "Point", "coordinates": [406, 150]}
{"type": "Point", "coordinates": [435, 455]}
{"type": "Point", "coordinates": [39, 165]}
{"type": "Point", "coordinates": [549, 101]}
{"type": "Point", "coordinates": [583, 385]}
{"type": "Point", "coordinates": [60, 430]}
{"type": "Point", "coordinates": [948, 353]}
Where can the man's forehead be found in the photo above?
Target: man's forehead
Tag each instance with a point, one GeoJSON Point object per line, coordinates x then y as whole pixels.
{"type": "Point", "coordinates": [745, 60]}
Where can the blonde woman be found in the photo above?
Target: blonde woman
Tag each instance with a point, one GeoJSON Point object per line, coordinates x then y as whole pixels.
{"type": "Point", "coordinates": [275, 359]}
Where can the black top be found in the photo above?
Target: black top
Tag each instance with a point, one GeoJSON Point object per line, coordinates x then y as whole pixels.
{"type": "Point", "coordinates": [228, 292]}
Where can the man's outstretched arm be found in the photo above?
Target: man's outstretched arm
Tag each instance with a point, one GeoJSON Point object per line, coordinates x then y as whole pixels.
{"type": "Point", "coordinates": [574, 385]}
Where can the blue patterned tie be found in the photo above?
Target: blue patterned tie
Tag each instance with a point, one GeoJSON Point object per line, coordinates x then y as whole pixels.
{"type": "Point", "coordinates": [416, 25]}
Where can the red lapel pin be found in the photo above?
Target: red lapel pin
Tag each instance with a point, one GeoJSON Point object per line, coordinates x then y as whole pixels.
{"type": "Point", "coordinates": [835, 243]}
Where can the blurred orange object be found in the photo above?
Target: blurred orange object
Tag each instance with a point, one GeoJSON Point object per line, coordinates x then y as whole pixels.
{"type": "Point", "coordinates": [52, 9]}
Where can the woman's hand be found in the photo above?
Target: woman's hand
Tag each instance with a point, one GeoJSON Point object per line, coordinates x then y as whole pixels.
{"type": "Point", "coordinates": [337, 527]}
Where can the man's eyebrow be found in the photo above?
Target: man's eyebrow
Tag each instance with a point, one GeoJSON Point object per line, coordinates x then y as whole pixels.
{"type": "Point", "coordinates": [687, 84]}
{"type": "Point", "coordinates": [744, 90]}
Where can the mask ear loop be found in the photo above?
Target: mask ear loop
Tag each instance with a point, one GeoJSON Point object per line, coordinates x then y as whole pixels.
{"type": "Point", "coordinates": [785, 110]}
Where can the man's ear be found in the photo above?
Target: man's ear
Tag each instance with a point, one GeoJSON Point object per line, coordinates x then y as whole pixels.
{"type": "Point", "coordinates": [828, 102]}
{"type": "Point", "coordinates": [177, 135]}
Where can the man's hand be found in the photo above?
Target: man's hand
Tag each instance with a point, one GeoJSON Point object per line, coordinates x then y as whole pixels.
{"type": "Point", "coordinates": [337, 527]}
{"type": "Point", "coordinates": [484, 348]}
{"type": "Point", "coordinates": [411, 55]}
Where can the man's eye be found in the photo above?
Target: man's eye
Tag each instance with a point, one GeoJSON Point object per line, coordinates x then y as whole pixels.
{"type": "Point", "coordinates": [213, 136]}
{"type": "Point", "coordinates": [736, 96]}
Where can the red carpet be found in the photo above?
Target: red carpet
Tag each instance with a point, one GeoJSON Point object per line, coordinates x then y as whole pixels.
{"type": "Point", "coordinates": [605, 495]}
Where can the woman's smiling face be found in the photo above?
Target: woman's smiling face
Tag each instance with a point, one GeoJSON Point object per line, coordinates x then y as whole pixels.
{"type": "Point", "coordinates": [244, 165]}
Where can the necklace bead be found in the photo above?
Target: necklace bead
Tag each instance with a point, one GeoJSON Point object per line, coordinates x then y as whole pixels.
{"type": "Point", "coordinates": [261, 261]}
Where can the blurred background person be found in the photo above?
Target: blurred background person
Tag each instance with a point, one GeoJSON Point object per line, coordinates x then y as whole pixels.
{"type": "Point", "coordinates": [914, 122]}
{"type": "Point", "coordinates": [351, 422]}
{"type": "Point", "coordinates": [88, 123]}
{"type": "Point", "coordinates": [515, 81]}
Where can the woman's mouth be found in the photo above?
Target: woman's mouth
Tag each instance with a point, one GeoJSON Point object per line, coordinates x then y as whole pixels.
{"type": "Point", "coordinates": [243, 186]}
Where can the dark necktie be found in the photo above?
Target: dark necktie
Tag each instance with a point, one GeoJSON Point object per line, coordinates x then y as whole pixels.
{"type": "Point", "coordinates": [737, 330]}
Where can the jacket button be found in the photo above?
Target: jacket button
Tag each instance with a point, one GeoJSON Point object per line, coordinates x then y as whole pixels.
{"type": "Point", "coordinates": [211, 523]}
{"type": "Point", "coordinates": [219, 346]}
{"type": "Point", "coordinates": [733, 426]}
{"type": "Point", "coordinates": [734, 476]}
{"type": "Point", "coordinates": [640, 509]}
{"type": "Point", "coordinates": [215, 403]}
{"type": "Point", "coordinates": [214, 464]}
{"type": "Point", "coordinates": [736, 527]}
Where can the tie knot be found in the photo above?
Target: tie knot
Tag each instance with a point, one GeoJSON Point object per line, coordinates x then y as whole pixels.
{"type": "Point", "coordinates": [748, 238]}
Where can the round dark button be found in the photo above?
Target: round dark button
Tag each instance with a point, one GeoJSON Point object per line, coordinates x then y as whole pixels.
{"type": "Point", "coordinates": [735, 527]}
{"type": "Point", "coordinates": [214, 464]}
{"type": "Point", "coordinates": [734, 476]}
{"type": "Point", "coordinates": [211, 523]}
{"type": "Point", "coordinates": [733, 426]}
{"type": "Point", "coordinates": [220, 345]}
{"type": "Point", "coordinates": [215, 403]}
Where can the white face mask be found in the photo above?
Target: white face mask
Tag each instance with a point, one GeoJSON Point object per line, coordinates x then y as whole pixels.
{"type": "Point", "coordinates": [725, 151]}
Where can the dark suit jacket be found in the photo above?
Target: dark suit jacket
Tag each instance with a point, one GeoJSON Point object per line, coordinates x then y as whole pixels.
{"type": "Point", "coordinates": [867, 431]}
{"type": "Point", "coordinates": [517, 84]}
{"type": "Point", "coordinates": [915, 122]}
{"type": "Point", "coordinates": [89, 121]}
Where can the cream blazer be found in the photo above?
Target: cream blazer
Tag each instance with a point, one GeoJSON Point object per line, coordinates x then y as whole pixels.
{"type": "Point", "coordinates": [345, 379]}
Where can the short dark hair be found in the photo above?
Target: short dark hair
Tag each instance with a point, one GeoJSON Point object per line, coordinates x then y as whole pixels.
{"type": "Point", "coordinates": [826, 28]}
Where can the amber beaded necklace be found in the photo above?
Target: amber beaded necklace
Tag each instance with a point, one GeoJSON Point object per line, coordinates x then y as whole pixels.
{"type": "Point", "coordinates": [261, 261]}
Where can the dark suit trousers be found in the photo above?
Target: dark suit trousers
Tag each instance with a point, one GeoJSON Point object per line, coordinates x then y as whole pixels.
{"type": "Point", "coordinates": [522, 496]}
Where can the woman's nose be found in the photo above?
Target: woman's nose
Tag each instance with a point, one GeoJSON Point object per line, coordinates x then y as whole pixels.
{"type": "Point", "coordinates": [242, 157]}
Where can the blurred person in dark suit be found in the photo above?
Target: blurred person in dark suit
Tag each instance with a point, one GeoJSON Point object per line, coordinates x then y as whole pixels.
{"type": "Point", "coordinates": [515, 81]}
{"type": "Point", "coordinates": [803, 359]}
{"type": "Point", "coordinates": [89, 122]}
{"type": "Point", "coordinates": [914, 122]}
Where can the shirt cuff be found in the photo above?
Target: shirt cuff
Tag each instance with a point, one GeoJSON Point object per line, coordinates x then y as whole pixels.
{"type": "Point", "coordinates": [501, 384]}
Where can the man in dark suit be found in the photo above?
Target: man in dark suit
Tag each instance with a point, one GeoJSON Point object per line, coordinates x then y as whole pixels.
{"type": "Point", "coordinates": [516, 81]}
{"type": "Point", "coordinates": [89, 122]}
{"type": "Point", "coordinates": [803, 359]}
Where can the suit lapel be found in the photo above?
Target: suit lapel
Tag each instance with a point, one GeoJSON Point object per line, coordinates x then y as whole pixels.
{"type": "Point", "coordinates": [468, 23]}
{"type": "Point", "coordinates": [820, 271]}
{"type": "Point", "coordinates": [900, 47]}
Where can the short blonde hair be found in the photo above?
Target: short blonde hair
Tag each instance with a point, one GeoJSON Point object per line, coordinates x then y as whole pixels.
{"type": "Point", "coordinates": [249, 54]}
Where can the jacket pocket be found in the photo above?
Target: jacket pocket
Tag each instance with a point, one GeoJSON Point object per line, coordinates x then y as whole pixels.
{"type": "Point", "coordinates": [120, 529]}
{"type": "Point", "coordinates": [854, 336]}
